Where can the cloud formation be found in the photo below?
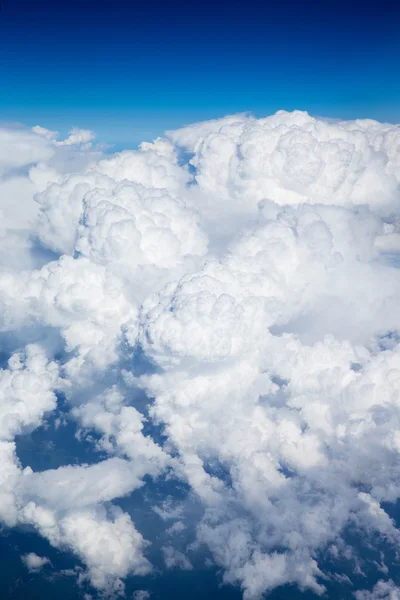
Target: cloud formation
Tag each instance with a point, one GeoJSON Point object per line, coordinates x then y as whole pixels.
{"type": "Point", "coordinates": [33, 562]}
{"type": "Point", "coordinates": [234, 286]}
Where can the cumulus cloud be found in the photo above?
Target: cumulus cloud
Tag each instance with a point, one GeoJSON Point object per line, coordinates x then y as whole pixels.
{"type": "Point", "coordinates": [385, 590]}
{"type": "Point", "coordinates": [33, 562]}
{"type": "Point", "coordinates": [26, 391]}
{"type": "Point", "coordinates": [219, 309]}
{"type": "Point", "coordinates": [292, 158]}
{"type": "Point", "coordinates": [111, 548]}
{"type": "Point", "coordinates": [78, 136]}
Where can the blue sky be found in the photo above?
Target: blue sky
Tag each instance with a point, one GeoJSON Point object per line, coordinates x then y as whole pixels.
{"type": "Point", "coordinates": [131, 70]}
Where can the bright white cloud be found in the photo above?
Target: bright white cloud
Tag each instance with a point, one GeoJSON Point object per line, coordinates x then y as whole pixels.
{"type": "Point", "coordinates": [33, 562]}
{"type": "Point", "coordinates": [240, 297]}
{"type": "Point", "coordinates": [292, 158]}
{"type": "Point", "coordinates": [26, 391]}
{"type": "Point", "coordinates": [77, 136]}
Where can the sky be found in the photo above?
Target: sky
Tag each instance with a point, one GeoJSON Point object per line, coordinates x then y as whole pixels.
{"type": "Point", "coordinates": [129, 71]}
{"type": "Point", "coordinates": [199, 301]}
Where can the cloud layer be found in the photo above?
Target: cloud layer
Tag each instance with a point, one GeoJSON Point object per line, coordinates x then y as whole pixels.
{"type": "Point", "coordinates": [234, 286]}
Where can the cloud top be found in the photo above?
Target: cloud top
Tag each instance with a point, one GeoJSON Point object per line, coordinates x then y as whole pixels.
{"type": "Point", "coordinates": [218, 310]}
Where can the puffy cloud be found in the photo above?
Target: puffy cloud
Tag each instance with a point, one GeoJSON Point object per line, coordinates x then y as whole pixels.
{"type": "Point", "coordinates": [26, 391]}
{"type": "Point", "coordinates": [142, 234]}
{"type": "Point", "coordinates": [111, 549]}
{"type": "Point", "coordinates": [87, 305]}
{"type": "Point", "coordinates": [33, 562]}
{"type": "Point", "coordinates": [121, 430]}
{"type": "Point", "coordinates": [383, 590]}
{"type": "Point", "coordinates": [151, 169]}
{"type": "Point", "coordinates": [108, 544]}
{"type": "Point", "coordinates": [77, 136]}
{"type": "Point", "coordinates": [292, 158]}
{"type": "Point", "coordinates": [220, 309]}
{"type": "Point", "coordinates": [29, 161]}
{"type": "Point", "coordinates": [154, 166]}
{"type": "Point", "coordinates": [286, 274]}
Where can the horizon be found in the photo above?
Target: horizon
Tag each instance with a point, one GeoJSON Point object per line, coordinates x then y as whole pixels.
{"type": "Point", "coordinates": [131, 71]}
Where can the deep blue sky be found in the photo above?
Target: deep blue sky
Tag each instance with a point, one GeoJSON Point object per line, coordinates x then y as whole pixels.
{"type": "Point", "coordinates": [131, 70]}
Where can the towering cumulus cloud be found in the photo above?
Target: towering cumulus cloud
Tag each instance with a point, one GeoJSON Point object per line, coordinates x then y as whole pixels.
{"type": "Point", "coordinates": [217, 311]}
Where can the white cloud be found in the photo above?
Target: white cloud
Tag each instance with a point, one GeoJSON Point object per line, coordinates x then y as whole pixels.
{"type": "Point", "coordinates": [144, 235]}
{"type": "Point", "coordinates": [75, 487]}
{"type": "Point", "coordinates": [141, 595]}
{"type": "Point", "coordinates": [293, 158]}
{"type": "Point", "coordinates": [121, 430]}
{"type": "Point", "coordinates": [20, 148]}
{"type": "Point", "coordinates": [112, 549]}
{"type": "Point", "coordinates": [10, 474]}
{"type": "Point", "coordinates": [26, 391]}
{"type": "Point", "coordinates": [86, 304]}
{"type": "Point", "coordinates": [77, 136]}
{"type": "Point", "coordinates": [168, 509]}
{"type": "Point", "coordinates": [46, 133]}
{"type": "Point", "coordinates": [174, 559]}
{"type": "Point", "coordinates": [33, 562]}
{"type": "Point", "coordinates": [240, 300]}
{"type": "Point", "coordinates": [106, 541]}
{"type": "Point", "coordinates": [176, 528]}
{"type": "Point", "coordinates": [383, 590]}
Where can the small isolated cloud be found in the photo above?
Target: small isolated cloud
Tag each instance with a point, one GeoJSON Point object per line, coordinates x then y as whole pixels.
{"type": "Point", "coordinates": [46, 133]}
{"type": "Point", "coordinates": [141, 595]}
{"type": "Point", "coordinates": [176, 528]}
{"type": "Point", "coordinates": [168, 509]}
{"type": "Point", "coordinates": [174, 559]}
{"type": "Point", "coordinates": [77, 136]}
{"type": "Point", "coordinates": [33, 562]}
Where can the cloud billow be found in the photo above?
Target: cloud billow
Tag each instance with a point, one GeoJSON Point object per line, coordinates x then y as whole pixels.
{"type": "Point", "coordinates": [258, 282]}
